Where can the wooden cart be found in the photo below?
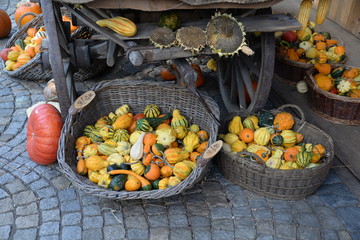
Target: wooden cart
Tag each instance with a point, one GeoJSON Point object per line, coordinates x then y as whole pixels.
{"type": "Point", "coordinates": [235, 74]}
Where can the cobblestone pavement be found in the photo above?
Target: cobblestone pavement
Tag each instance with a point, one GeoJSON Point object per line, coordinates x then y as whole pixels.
{"type": "Point", "coordinates": [38, 202]}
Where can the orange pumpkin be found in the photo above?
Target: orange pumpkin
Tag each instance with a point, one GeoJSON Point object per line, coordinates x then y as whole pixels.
{"type": "Point", "coordinates": [247, 135]}
{"type": "Point", "coordinates": [152, 172]}
{"type": "Point", "coordinates": [27, 7]}
{"type": "Point", "coordinates": [31, 51]}
{"type": "Point", "coordinates": [166, 171]}
{"type": "Point", "coordinates": [352, 73]}
{"type": "Point", "coordinates": [5, 24]}
{"type": "Point", "coordinates": [323, 68]}
{"type": "Point", "coordinates": [324, 82]}
{"type": "Point", "coordinates": [355, 93]}
{"type": "Point", "coordinates": [339, 50]}
{"type": "Point", "coordinates": [290, 154]}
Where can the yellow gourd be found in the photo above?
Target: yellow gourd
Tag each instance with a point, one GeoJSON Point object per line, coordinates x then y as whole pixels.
{"type": "Point", "coordinates": [191, 141]}
{"type": "Point", "coordinates": [178, 119]}
{"type": "Point", "coordinates": [123, 121]}
{"type": "Point", "coordinates": [235, 125]}
{"type": "Point", "coordinates": [262, 136]}
{"type": "Point", "coordinates": [238, 146]}
{"type": "Point", "coordinates": [175, 155]}
{"type": "Point", "coordinates": [95, 163]}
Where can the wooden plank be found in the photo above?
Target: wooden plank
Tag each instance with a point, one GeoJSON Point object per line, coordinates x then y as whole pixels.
{"type": "Point", "coordinates": [163, 5]}
{"type": "Point", "coordinates": [346, 138]}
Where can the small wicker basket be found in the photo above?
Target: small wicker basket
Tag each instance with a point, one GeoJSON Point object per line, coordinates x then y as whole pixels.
{"type": "Point", "coordinates": [137, 94]}
{"type": "Point", "coordinates": [332, 107]}
{"type": "Point", "coordinates": [34, 70]}
{"type": "Point", "coordinates": [277, 183]}
{"type": "Point", "coordinates": [291, 72]}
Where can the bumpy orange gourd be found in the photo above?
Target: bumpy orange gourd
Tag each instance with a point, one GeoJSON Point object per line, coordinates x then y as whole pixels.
{"type": "Point", "coordinates": [149, 140]}
{"type": "Point", "coordinates": [284, 121]}
{"type": "Point", "coordinates": [323, 68]}
{"type": "Point", "coordinates": [324, 82]}
{"type": "Point", "coordinates": [174, 155]}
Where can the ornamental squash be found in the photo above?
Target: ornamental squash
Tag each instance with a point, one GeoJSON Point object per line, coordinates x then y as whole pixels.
{"type": "Point", "coordinates": [102, 122]}
{"type": "Point", "coordinates": [95, 163]}
{"type": "Point", "coordinates": [121, 135]}
{"type": "Point", "coordinates": [43, 133]}
{"type": "Point", "coordinates": [123, 109]}
{"type": "Point", "coordinates": [289, 137]}
{"type": "Point", "coordinates": [303, 158]}
{"type": "Point", "coordinates": [276, 139]}
{"type": "Point", "coordinates": [230, 138]}
{"type": "Point", "coordinates": [152, 111]}
{"type": "Point", "coordinates": [152, 172]}
{"type": "Point", "coordinates": [195, 128]}
{"type": "Point", "coordinates": [235, 125]}
{"type": "Point", "coordinates": [138, 168]}
{"type": "Point", "coordinates": [203, 135]}
{"type": "Point", "coordinates": [158, 149]}
{"type": "Point", "coordinates": [262, 136]}
{"type": "Point", "coordinates": [106, 132]}
{"type": "Point", "coordinates": [143, 125]}
{"type": "Point", "coordinates": [290, 153]}
{"type": "Point", "coordinates": [23, 58]}
{"type": "Point", "coordinates": [238, 146]}
{"type": "Point", "coordinates": [182, 170]}
{"type": "Point", "coordinates": [166, 171]}
{"type": "Point", "coordinates": [246, 135]}
{"type": "Point", "coordinates": [175, 155]}
{"type": "Point", "coordinates": [165, 136]}
{"type": "Point", "coordinates": [178, 119]}
{"type": "Point", "coordinates": [120, 25]}
{"type": "Point", "coordinates": [173, 181]}
{"type": "Point", "coordinates": [202, 147]}
{"type": "Point", "coordinates": [149, 140]}
{"type": "Point", "coordinates": [134, 136]}
{"type": "Point", "coordinates": [106, 149]}
{"type": "Point", "coordinates": [90, 150]}
{"type": "Point", "coordinates": [164, 183]}
{"type": "Point", "coordinates": [266, 119]}
{"type": "Point", "coordinates": [123, 121]}
{"type": "Point", "coordinates": [275, 160]}
{"type": "Point", "coordinates": [323, 82]}
{"type": "Point", "coordinates": [283, 121]}
{"type": "Point", "coordinates": [137, 150]}
{"type": "Point", "coordinates": [181, 131]}
{"type": "Point", "coordinates": [191, 141]}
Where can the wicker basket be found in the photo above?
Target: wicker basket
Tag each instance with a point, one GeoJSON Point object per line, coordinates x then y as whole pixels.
{"type": "Point", "coordinates": [33, 70]}
{"type": "Point", "coordinates": [276, 183]}
{"type": "Point", "coordinates": [332, 107]}
{"type": "Point", "coordinates": [291, 72]}
{"type": "Point", "coordinates": [112, 94]}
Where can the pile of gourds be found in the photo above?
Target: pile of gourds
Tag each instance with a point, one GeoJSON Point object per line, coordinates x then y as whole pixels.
{"type": "Point", "coordinates": [344, 81]}
{"type": "Point", "coordinates": [143, 151]}
{"type": "Point", "coordinates": [272, 139]}
{"type": "Point", "coordinates": [311, 47]}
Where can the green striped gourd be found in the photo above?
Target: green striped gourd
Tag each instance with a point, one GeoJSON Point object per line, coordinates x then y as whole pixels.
{"type": "Point", "coordinates": [152, 111]}
{"type": "Point", "coordinates": [123, 148]}
{"type": "Point", "coordinates": [88, 130]}
{"type": "Point", "coordinates": [289, 137]}
{"type": "Point", "coordinates": [124, 109]}
{"type": "Point", "coordinates": [178, 119]}
{"type": "Point", "coordinates": [106, 149]}
{"type": "Point", "coordinates": [303, 158]}
{"type": "Point", "coordinates": [121, 135]}
{"type": "Point", "coordinates": [277, 139]}
{"type": "Point", "coordinates": [182, 169]}
{"type": "Point", "coordinates": [195, 128]}
{"type": "Point", "coordinates": [143, 125]}
{"type": "Point", "coordinates": [96, 137]}
{"type": "Point", "coordinates": [248, 123]}
{"type": "Point", "coordinates": [230, 138]}
{"type": "Point", "coordinates": [102, 122]}
{"type": "Point", "coordinates": [106, 132]}
{"type": "Point", "coordinates": [262, 136]}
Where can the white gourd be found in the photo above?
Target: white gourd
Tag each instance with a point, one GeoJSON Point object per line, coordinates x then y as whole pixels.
{"type": "Point", "coordinates": [137, 150]}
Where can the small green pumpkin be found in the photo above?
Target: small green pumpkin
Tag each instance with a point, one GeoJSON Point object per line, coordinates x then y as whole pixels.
{"type": "Point", "coordinates": [277, 139]}
{"type": "Point", "coordinates": [266, 119]}
{"type": "Point", "coordinates": [143, 125]}
{"type": "Point", "coordinates": [152, 111]}
{"type": "Point", "coordinates": [121, 135]}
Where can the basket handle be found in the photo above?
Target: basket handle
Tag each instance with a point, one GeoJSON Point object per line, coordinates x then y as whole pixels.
{"type": "Point", "coordinates": [300, 111]}
{"type": "Point", "coordinates": [24, 15]}
{"type": "Point", "coordinates": [253, 155]}
{"type": "Point", "coordinates": [209, 153]}
{"type": "Point", "coordinates": [81, 102]}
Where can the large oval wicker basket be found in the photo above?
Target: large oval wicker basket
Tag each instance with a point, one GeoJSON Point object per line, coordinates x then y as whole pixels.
{"type": "Point", "coordinates": [137, 94]}
{"type": "Point", "coordinates": [277, 183]}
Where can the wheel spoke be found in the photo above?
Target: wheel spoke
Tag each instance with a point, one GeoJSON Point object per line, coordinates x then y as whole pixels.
{"type": "Point", "coordinates": [247, 79]}
{"type": "Point", "coordinates": [250, 65]}
{"type": "Point", "coordinates": [240, 84]}
{"type": "Point", "coordinates": [234, 86]}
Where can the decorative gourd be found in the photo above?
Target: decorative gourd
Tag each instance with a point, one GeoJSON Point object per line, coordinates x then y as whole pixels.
{"type": "Point", "coordinates": [195, 128]}
{"type": "Point", "coordinates": [138, 168]}
{"type": "Point", "coordinates": [5, 24]}
{"type": "Point", "coordinates": [262, 136]}
{"type": "Point", "coordinates": [96, 137]}
{"type": "Point", "coordinates": [123, 121]}
{"type": "Point", "coordinates": [323, 82]}
{"type": "Point", "coordinates": [88, 130]}
{"type": "Point", "coordinates": [121, 135]}
{"type": "Point", "coordinates": [94, 176]}
{"type": "Point", "coordinates": [104, 180]}
{"type": "Point", "coordinates": [165, 136]}
{"type": "Point", "coordinates": [202, 147]}
{"type": "Point", "coordinates": [152, 111]}
{"type": "Point", "coordinates": [248, 123]}
{"type": "Point", "coordinates": [67, 19]}
{"type": "Point", "coordinates": [181, 131]}
{"type": "Point", "coordinates": [264, 155]}
{"type": "Point", "coordinates": [120, 25]}
{"type": "Point", "coordinates": [283, 121]}
{"type": "Point", "coordinates": [238, 146]}
{"type": "Point", "coordinates": [137, 150]}
{"type": "Point", "coordinates": [266, 119]}
{"type": "Point", "coordinates": [178, 119]}
{"type": "Point", "coordinates": [173, 181]}
{"type": "Point", "coordinates": [290, 154]}
{"type": "Point", "coordinates": [230, 138]}
{"type": "Point", "coordinates": [149, 140]}
{"type": "Point", "coordinates": [303, 158]}
{"type": "Point", "coordinates": [124, 109]}
{"type": "Point", "coordinates": [145, 184]}
{"type": "Point", "coordinates": [191, 141]}
{"type": "Point", "coordinates": [155, 184]}
{"type": "Point", "coordinates": [158, 149]}
{"type": "Point", "coordinates": [23, 58]}
{"type": "Point", "coordinates": [43, 133]}
{"type": "Point", "coordinates": [182, 170]}
{"type": "Point", "coordinates": [166, 171]}
{"type": "Point", "coordinates": [81, 142]}
{"type": "Point", "coordinates": [95, 163]}
{"type": "Point", "coordinates": [318, 152]}
{"type": "Point", "coordinates": [107, 149]}
{"type": "Point", "coordinates": [289, 137]}
{"type": "Point", "coordinates": [106, 132]}
{"type": "Point", "coordinates": [175, 155]}
{"type": "Point", "coordinates": [156, 121]}
{"type": "Point", "coordinates": [276, 139]}
{"type": "Point", "coordinates": [275, 160]}
{"type": "Point", "coordinates": [104, 121]}
{"type": "Point", "coordinates": [146, 160]}
{"type": "Point", "coordinates": [80, 167]}
{"type": "Point", "coordinates": [132, 184]}
{"type": "Point", "coordinates": [299, 137]}
{"type": "Point", "coordinates": [235, 125]}
{"type": "Point", "coordinates": [163, 183]}
{"type": "Point", "coordinates": [90, 150]}
{"type": "Point", "coordinates": [115, 158]}
{"type": "Point", "coordinates": [134, 137]}
{"type": "Point", "coordinates": [323, 68]}
{"type": "Point", "coordinates": [118, 182]}
{"type": "Point", "coordinates": [194, 155]}
{"type": "Point", "coordinates": [27, 7]}
{"type": "Point", "coordinates": [143, 125]}
{"type": "Point", "coordinates": [246, 135]}
{"type": "Point", "coordinates": [203, 135]}
{"type": "Point", "coordinates": [152, 172]}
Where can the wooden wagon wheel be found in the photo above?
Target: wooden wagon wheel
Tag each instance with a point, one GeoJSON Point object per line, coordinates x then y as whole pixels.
{"type": "Point", "coordinates": [240, 73]}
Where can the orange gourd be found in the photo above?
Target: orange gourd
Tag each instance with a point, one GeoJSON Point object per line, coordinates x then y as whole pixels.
{"type": "Point", "coordinates": [31, 51]}
{"type": "Point", "coordinates": [331, 42]}
{"type": "Point", "coordinates": [292, 55]}
{"type": "Point", "coordinates": [320, 46]}
{"type": "Point", "coordinates": [202, 147]}
{"type": "Point", "coordinates": [290, 154]}
{"type": "Point", "coordinates": [149, 140]}
{"type": "Point", "coordinates": [318, 37]}
{"type": "Point", "coordinates": [132, 184]}
{"type": "Point", "coordinates": [166, 171]}
{"type": "Point", "coordinates": [5, 24]}
{"type": "Point", "coordinates": [158, 161]}
{"type": "Point", "coordinates": [147, 159]}
{"type": "Point", "coordinates": [152, 172]}
{"type": "Point", "coordinates": [145, 184]}
{"type": "Point", "coordinates": [194, 155]}
{"type": "Point", "coordinates": [324, 82]}
{"type": "Point", "coordinates": [323, 68]}
{"type": "Point", "coordinates": [67, 19]}
{"type": "Point", "coordinates": [27, 7]}
{"type": "Point", "coordinates": [355, 93]}
{"type": "Point", "coordinates": [299, 137]}
{"type": "Point", "coordinates": [339, 50]}
{"type": "Point", "coordinates": [300, 51]}
{"type": "Point", "coordinates": [31, 32]}
{"type": "Point", "coordinates": [203, 135]}
{"type": "Point", "coordinates": [247, 135]}
{"type": "Point", "coordinates": [81, 168]}
{"type": "Point", "coordinates": [352, 73]}
{"type": "Point", "coordinates": [283, 121]}
{"type": "Point", "coordinates": [123, 121]}
{"type": "Point", "coordinates": [318, 152]}
{"type": "Point", "coordinates": [322, 57]}
{"type": "Point", "coordinates": [264, 155]}
{"type": "Point", "coordinates": [23, 58]}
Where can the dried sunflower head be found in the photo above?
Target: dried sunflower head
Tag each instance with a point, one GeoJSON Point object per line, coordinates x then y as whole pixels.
{"type": "Point", "coordinates": [191, 38]}
{"type": "Point", "coordinates": [162, 37]}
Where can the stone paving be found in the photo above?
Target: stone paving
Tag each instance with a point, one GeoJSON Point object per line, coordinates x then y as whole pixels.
{"type": "Point", "coordinates": [39, 202]}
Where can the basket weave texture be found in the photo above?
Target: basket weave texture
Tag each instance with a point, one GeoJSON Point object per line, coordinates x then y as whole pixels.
{"type": "Point", "coordinates": [291, 72]}
{"type": "Point", "coordinates": [332, 107]}
{"type": "Point", "coordinates": [137, 94]}
{"type": "Point", "coordinates": [277, 183]}
{"type": "Point", "coordinates": [34, 71]}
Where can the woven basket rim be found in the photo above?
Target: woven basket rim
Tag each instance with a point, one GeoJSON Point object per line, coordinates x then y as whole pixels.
{"type": "Point", "coordinates": [311, 81]}
{"type": "Point", "coordinates": [89, 187]}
